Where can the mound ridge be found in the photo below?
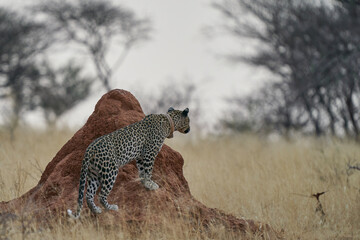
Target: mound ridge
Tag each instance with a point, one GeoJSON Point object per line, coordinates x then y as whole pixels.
{"type": "Point", "coordinates": [57, 189]}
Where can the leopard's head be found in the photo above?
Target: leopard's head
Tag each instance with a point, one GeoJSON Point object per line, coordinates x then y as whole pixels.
{"type": "Point", "coordinates": [181, 119]}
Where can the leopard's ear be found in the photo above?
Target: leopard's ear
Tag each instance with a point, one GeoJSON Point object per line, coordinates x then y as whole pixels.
{"type": "Point", "coordinates": [170, 109]}
{"type": "Point", "coordinates": [185, 112]}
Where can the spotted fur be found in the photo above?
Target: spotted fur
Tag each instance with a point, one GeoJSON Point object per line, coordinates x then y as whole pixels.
{"type": "Point", "coordinates": [141, 141]}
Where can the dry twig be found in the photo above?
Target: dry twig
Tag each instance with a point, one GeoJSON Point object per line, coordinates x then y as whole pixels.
{"type": "Point", "coordinates": [353, 167]}
{"type": "Point", "coordinates": [319, 208]}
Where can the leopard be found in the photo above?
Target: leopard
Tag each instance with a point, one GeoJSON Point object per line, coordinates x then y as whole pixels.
{"type": "Point", "coordinates": [140, 141]}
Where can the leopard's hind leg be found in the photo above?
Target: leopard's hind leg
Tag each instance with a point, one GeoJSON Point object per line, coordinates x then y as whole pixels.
{"type": "Point", "coordinates": [93, 185]}
{"type": "Point", "coordinates": [108, 179]}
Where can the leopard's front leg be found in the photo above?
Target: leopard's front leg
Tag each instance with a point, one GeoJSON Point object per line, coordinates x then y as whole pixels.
{"type": "Point", "coordinates": [145, 167]}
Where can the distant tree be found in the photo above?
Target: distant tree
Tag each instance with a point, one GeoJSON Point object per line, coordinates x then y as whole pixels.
{"type": "Point", "coordinates": [28, 83]}
{"type": "Point", "coordinates": [169, 95]}
{"type": "Point", "coordinates": [61, 90]}
{"type": "Point", "coordinates": [97, 25]}
{"type": "Point", "coordinates": [178, 95]}
{"type": "Point", "coordinates": [21, 40]}
{"type": "Point", "coordinates": [312, 49]}
{"type": "Point", "coordinates": [270, 108]}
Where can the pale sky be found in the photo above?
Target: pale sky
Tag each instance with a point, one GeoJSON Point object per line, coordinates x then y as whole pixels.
{"type": "Point", "coordinates": [178, 50]}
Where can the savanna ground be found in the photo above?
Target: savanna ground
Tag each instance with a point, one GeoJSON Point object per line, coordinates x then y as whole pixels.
{"type": "Point", "coordinates": [246, 175]}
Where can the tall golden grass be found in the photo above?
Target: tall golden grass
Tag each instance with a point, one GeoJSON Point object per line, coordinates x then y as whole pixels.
{"type": "Point", "coordinates": [245, 175]}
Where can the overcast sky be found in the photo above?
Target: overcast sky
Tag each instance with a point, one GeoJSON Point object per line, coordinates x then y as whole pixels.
{"type": "Point", "coordinates": [178, 50]}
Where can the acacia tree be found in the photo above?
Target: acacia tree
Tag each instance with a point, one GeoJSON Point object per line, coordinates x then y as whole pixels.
{"type": "Point", "coordinates": [312, 48]}
{"type": "Point", "coordinates": [21, 41]}
{"type": "Point", "coordinates": [27, 82]}
{"type": "Point", "coordinates": [97, 26]}
{"type": "Point", "coordinates": [62, 89]}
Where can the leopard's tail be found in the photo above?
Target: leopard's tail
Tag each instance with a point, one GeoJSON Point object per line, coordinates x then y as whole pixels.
{"type": "Point", "coordinates": [83, 173]}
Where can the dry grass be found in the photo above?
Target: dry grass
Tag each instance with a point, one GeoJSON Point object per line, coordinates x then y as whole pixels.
{"type": "Point", "coordinates": [244, 175]}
